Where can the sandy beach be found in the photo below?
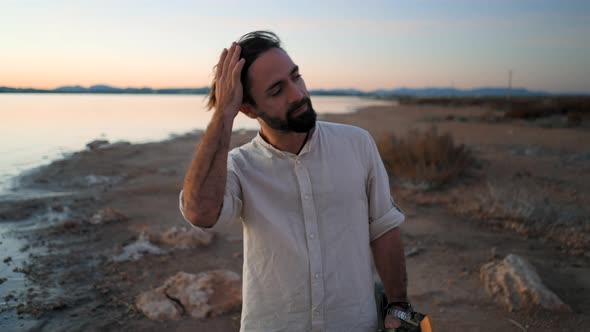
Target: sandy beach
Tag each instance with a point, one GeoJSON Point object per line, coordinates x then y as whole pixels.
{"type": "Point", "coordinates": [71, 281]}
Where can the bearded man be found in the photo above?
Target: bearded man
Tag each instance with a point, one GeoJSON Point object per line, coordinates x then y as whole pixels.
{"type": "Point", "coordinates": [313, 198]}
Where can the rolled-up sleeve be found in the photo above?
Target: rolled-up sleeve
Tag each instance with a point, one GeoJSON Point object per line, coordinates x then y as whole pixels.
{"type": "Point", "coordinates": [231, 208]}
{"type": "Point", "coordinates": [384, 215]}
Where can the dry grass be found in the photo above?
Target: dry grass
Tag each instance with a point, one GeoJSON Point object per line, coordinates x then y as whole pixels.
{"type": "Point", "coordinates": [529, 211]}
{"type": "Point", "coordinates": [541, 107]}
{"type": "Point", "coordinates": [569, 111]}
{"type": "Point", "coordinates": [424, 158]}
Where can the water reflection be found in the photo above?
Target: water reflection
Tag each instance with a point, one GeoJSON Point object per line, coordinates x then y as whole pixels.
{"type": "Point", "coordinates": [39, 128]}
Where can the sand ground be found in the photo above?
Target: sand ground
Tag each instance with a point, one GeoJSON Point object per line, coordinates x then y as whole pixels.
{"type": "Point", "coordinates": [72, 284]}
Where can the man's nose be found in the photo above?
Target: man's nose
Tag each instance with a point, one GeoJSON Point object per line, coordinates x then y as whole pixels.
{"type": "Point", "coordinates": [294, 93]}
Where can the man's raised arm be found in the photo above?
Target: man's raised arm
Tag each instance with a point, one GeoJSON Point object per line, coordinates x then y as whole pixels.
{"type": "Point", "coordinates": [205, 180]}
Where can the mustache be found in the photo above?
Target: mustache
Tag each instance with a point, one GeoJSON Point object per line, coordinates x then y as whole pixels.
{"type": "Point", "coordinates": [293, 107]}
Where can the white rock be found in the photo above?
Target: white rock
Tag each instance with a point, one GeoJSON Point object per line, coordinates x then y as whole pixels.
{"type": "Point", "coordinates": [412, 251]}
{"type": "Point", "coordinates": [187, 289]}
{"type": "Point", "coordinates": [157, 306]}
{"type": "Point", "coordinates": [207, 294]}
{"type": "Point", "coordinates": [181, 237]}
{"type": "Point", "coordinates": [137, 249]}
{"type": "Point", "coordinates": [515, 284]}
{"type": "Point", "coordinates": [94, 180]}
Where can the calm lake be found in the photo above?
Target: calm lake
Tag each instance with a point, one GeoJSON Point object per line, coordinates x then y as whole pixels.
{"type": "Point", "coordinates": [39, 128]}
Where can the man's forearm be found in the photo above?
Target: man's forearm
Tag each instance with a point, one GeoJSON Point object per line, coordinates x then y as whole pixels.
{"type": "Point", "coordinates": [204, 183]}
{"type": "Point", "coordinates": [388, 254]}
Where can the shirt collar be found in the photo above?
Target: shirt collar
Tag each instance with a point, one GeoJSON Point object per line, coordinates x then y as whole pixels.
{"type": "Point", "coordinates": [311, 142]}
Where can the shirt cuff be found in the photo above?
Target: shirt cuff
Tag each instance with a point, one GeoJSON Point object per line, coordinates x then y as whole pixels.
{"type": "Point", "coordinates": [224, 215]}
{"type": "Point", "coordinates": [181, 207]}
{"type": "Point", "coordinates": [392, 219]}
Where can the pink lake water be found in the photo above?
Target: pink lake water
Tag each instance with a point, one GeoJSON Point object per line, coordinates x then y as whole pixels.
{"type": "Point", "coordinates": [39, 128]}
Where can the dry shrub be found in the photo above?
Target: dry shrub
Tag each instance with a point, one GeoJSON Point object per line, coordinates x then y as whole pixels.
{"type": "Point", "coordinates": [529, 211]}
{"type": "Point", "coordinates": [574, 109]}
{"type": "Point", "coordinates": [530, 108]}
{"type": "Point", "coordinates": [424, 158]}
{"type": "Point", "coordinates": [534, 109]}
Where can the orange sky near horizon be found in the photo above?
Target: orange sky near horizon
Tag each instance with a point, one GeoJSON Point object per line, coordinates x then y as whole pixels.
{"type": "Point", "coordinates": [376, 44]}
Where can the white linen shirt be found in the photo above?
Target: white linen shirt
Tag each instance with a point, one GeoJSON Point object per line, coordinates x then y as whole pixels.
{"type": "Point", "coordinates": [308, 221]}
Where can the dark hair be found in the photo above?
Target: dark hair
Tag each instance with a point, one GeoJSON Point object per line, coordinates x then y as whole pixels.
{"type": "Point", "coordinates": [252, 44]}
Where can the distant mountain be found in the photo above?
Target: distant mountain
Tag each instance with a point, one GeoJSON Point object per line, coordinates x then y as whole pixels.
{"type": "Point", "coordinates": [413, 92]}
{"type": "Point", "coordinates": [203, 90]}
{"type": "Point", "coordinates": [108, 89]}
{"type": "Point", "coordinates": [4, 89]}
{"type": "Point", "coordinates": [71, 89]}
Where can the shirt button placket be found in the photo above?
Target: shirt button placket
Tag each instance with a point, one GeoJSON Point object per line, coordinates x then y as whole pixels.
{"type": "Point", "coordinates": [314, 250]}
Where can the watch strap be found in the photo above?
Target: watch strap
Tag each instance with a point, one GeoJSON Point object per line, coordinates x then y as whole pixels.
{"type": "Point", "coordinates": [403, 315]}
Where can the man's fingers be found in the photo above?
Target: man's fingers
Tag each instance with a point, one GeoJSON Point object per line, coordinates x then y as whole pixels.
{"type": "Point", "coordinates": [227, 60]}
{"type": "Point", "coordinates": [235, 57]}
{"type": "Point", "coordinates": [238, 70]}
{"type": "Point", "coordinates": [220, 63]}
{"type": "Point", "coordinates": [391, 322]}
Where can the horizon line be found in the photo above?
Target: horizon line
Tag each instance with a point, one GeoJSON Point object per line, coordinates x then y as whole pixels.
{"type": "Point", "coordinates": [315, 89]}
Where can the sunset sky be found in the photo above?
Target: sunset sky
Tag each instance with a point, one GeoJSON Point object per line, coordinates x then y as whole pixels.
{"type": "Point", "coordinates": [337, 44]}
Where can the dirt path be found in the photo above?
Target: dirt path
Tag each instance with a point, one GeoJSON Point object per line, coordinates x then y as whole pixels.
{"type": "Point", "coordinates": [444, 276]}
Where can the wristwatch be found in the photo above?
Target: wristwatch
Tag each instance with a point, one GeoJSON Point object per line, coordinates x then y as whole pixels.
{"type": "Point", "coordinates": [405, 314]}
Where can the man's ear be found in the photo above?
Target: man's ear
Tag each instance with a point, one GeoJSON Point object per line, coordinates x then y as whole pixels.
{"type": "Point", "coordinates": [248, 110]}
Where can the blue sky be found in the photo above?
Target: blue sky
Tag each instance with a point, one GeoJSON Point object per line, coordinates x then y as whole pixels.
{"type": "Point", "coordinates": [337, 44]}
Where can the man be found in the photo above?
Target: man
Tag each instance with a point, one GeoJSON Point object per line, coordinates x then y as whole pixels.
{"type": "Point", "coordinates": [313, 198]}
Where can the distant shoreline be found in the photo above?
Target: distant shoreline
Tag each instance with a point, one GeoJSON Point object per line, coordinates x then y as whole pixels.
{"type": "Point", "coordinates": [104, 89]}
{"type": "Point", "coordinates": [166, 93]}
{"type": "Point", "coordinates": [377, 93]}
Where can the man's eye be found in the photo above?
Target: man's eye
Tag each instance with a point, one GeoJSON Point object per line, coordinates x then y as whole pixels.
{"type": "Point", "coordinates": [276, 92]}
{"type": "Point", "coordinates": [296, 77]}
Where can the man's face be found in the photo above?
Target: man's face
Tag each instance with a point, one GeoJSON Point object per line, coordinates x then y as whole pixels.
{"type": "Point", "coordinates": [281, 98]}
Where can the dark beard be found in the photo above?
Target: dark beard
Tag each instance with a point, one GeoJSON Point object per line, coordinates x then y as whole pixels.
{"type": "Point", "coordinates": [300, 124]}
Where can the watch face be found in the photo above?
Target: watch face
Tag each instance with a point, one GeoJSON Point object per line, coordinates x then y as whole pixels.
{"type": "Point", "coordinates": [403, 305]}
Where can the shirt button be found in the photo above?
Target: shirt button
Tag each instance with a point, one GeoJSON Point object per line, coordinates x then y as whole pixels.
{"type": "Point", "coordinates": [317, 276]}
{"type": "Point", "coordinates": [316, 313]}
{"type": "Point", "coordinates": [298, 162]}
{"type": "Point", "coordinates": [312, 235]}
{"type": "Point", "coordinates": [306, 196]}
